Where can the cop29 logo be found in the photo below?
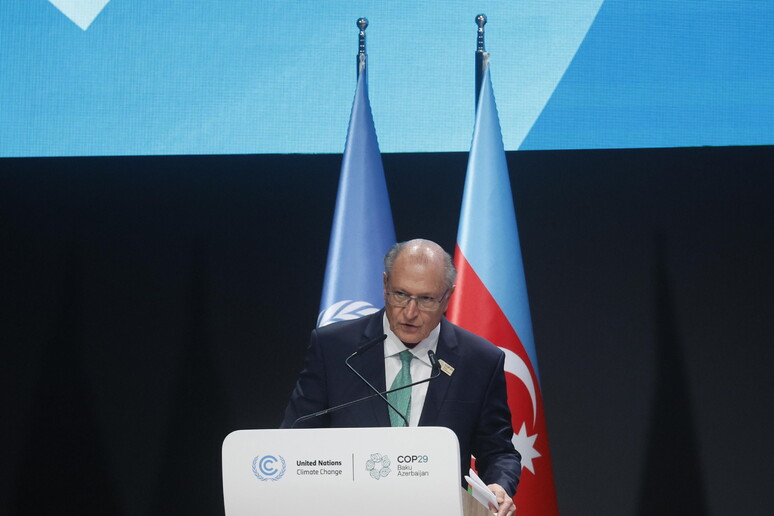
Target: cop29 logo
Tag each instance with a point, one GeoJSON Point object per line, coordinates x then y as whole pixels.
{"type": "Point", "coordinates": [269, 467]}
{"type": "Point", "coordinates": [378, 465]}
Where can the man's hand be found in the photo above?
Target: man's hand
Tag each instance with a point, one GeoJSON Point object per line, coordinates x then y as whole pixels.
{"type": "Point", "coordinates": [507, 508]}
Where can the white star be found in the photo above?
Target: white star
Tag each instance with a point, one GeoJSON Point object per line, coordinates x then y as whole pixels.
{"type": "Point", "coordinates": [525, 445]}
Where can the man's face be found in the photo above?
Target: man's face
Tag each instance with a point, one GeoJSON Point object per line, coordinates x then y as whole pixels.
{"type": "Point", "coordinates": [409, 323]}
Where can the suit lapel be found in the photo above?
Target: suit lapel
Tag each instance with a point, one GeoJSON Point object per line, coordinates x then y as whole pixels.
{"type": "Point", "coordinates": [449, 352]}
{"type": "Point", "coordinates": [371, 365]}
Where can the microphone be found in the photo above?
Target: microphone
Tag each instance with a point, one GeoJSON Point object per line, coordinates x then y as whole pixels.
{"type": "Point", "coordinates": [435, 374]}
{"type": "Point", "coordinates": [436, 371]}
{"type": "Point", "coordinates": [368, 345]}
{"type": "Point", "coordinates": [433, 362]}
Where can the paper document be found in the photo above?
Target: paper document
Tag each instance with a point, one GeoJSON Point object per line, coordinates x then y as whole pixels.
{"type": "Point", "coordinates": [480, 491]}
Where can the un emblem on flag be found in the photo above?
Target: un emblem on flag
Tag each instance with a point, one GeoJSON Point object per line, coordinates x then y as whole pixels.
{"type": "Point", "coordinates": [346, 310]}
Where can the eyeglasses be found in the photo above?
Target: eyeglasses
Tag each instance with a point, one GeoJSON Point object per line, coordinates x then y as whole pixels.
{"type": "Point", "coordinates": [428, 304]}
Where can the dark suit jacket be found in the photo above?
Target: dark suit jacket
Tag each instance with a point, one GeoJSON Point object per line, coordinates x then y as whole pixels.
{"type": "Point", "coordinates": [472, 401]}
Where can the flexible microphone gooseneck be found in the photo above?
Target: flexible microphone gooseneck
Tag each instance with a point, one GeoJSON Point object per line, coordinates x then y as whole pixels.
{"type": "Point", "coordinates": [435, 373]}
{"type": "Point", "coordinates": [361, 349]}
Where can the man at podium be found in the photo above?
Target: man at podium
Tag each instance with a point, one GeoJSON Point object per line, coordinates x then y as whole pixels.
{"type": "Point", "coordinates": [453, 378]}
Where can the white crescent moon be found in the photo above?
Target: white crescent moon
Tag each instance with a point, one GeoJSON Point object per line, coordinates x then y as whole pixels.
{"type": "Point", "coordinates": [516, 366]}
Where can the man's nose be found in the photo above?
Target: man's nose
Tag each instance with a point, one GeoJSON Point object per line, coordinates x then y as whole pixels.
{"type": "Point", "coordinates": [411, 310]}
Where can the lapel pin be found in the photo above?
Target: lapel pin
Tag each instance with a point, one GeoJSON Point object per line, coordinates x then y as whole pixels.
{"type": "Point", "coordinates": [445, 367]}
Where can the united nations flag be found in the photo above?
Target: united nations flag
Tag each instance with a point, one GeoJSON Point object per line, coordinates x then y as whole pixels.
{"type": "Point", "coordinates": [362, 230]}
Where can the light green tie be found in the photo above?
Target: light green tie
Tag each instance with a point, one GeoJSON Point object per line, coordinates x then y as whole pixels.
{"type": "Point", "coordinates": [401, 399]}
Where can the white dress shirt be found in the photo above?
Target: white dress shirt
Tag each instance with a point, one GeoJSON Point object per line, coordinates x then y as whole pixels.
{"type": "Point", "coordinates": [420, 366]}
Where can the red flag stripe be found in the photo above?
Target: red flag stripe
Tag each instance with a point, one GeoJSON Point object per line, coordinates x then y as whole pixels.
{"type": "Point", "coordinates": [473, 308]}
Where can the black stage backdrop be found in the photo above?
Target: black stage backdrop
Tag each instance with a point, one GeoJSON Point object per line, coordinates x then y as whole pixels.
{"type": "Point", "coordinates": [150, 305]}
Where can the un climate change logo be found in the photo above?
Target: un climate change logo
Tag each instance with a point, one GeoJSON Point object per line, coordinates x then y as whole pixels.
{"type": "Point", "coordinates": [265, 468]}
{"type": "Point", "coordinates": [378, 466]}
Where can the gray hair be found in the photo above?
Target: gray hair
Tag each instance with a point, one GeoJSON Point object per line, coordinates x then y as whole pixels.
{"type": "Point", "coordinates": [450, 272]}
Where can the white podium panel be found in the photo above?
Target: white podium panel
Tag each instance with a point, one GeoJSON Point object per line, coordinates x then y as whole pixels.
{"type": "Point", "coordinates": [342, 471]}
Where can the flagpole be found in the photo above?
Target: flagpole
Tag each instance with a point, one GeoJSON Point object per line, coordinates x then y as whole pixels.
{"type": "Point", "coordinates": [362, 230]}
{"type": "Point", "coordinates": [482, 56]}
{"type": "Point", "coordinates": [491, 299]}
{"type": "Point", "coordinates": [362, 23]}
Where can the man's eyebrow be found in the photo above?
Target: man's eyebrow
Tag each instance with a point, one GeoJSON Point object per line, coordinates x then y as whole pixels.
{"type": "Point", "coordinates": [417, 295]}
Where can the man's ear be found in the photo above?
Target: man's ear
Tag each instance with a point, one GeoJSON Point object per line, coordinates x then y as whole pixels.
{"type": "Point", "coordinates": [448, 296]}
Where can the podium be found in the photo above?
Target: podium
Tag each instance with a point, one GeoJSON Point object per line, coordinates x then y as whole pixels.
{"type": "Point", "coordinates": [344, 471]}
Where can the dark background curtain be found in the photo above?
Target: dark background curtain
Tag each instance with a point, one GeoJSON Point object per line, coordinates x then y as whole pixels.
{"type": "Point", "coordinates": [151, 305]}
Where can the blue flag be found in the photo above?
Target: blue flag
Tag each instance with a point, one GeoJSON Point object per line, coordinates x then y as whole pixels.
{"type": "Point", "coordinates": [362, 230]}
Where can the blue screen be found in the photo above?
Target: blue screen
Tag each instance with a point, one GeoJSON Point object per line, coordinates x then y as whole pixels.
{"type": "Point", "coordinates": [143, 77]}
